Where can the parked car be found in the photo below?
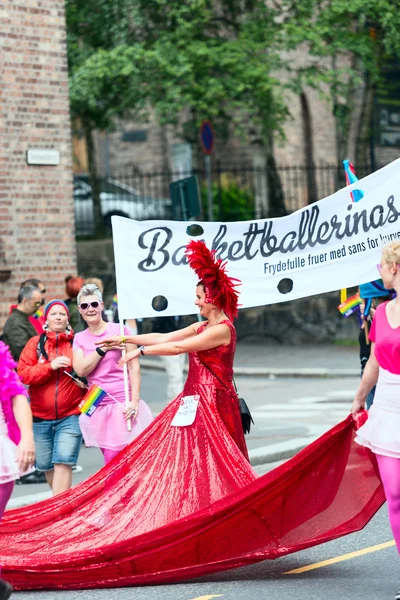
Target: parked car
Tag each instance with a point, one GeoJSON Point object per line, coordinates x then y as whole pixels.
{"type": "Point", "coordinates": [116, 198]}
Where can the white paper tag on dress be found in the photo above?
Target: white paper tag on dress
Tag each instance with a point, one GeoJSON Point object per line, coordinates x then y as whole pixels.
{"type": "Point", "coordinates": [186, 413]}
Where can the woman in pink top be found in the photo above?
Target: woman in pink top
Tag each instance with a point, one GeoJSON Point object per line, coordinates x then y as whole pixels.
{"type": "Point", "coordinates": [381, 432]}
{"type": "Point", "coordinates": [107, 427]}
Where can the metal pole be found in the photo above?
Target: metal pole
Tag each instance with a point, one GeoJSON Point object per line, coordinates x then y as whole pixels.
{"type": "Point", "coordinates": [183, 203]}
{"type": "Point", "coordinates": [126, 376]}
{"type": "Point", "coordinates": [207, 162]}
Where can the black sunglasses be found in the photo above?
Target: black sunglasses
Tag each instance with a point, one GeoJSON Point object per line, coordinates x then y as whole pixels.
{"type": "Point", "coordinates": [85, 305]}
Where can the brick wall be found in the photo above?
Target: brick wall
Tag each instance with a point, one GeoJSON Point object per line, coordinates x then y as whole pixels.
{"type": "Point", "coordinates": [36, 206]}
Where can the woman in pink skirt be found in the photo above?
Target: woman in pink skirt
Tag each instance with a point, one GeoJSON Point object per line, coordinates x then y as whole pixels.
{"type": "Point", "coordinates": [107, 427]}
{"type": "Point", "coordinates": [17, 449]}
{"type": "Point", "coordinates": [381, 432]}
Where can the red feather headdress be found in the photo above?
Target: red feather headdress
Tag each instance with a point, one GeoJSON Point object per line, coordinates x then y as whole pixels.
{"type": "Point", "coordinates": [219, 287]}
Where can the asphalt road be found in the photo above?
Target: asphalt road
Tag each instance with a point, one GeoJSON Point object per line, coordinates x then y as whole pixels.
{"type": "Point", "coordinates": [283, 409]}
{"type": "Point", "coordinates": [371, 576]}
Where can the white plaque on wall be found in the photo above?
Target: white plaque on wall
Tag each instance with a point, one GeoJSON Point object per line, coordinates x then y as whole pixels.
{"type": "Point", "coordinates": [42, 156]}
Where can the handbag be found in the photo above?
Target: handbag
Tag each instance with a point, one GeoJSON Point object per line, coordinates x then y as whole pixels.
{"type": "Point", "coordinates": [245, 413]}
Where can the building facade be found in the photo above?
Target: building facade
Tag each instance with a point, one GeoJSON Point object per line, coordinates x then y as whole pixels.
{"type": "Point", "coordinates": [37, 236]}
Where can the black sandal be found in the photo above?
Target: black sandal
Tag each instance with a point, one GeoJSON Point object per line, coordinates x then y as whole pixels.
{"type": "Point", "coordinates": [5, 590]}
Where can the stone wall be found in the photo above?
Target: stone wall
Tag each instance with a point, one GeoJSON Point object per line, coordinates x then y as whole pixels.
{"type": "Point", "coordinates": [309, 320]}
{"type": "Point", "coordinates": [36, 207]}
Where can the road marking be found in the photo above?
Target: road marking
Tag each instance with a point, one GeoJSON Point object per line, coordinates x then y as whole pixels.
{"type": "Point", "coordinates": [341, 558]}
{"type": "Point", "coordinates": [208, 597]}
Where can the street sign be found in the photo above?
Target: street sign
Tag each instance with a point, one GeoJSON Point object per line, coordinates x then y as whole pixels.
{"type": "Point", "coordinates": [207, 137]}
{"type": "Point", "coordinates": [185, 198]}
{"type": "Point", "coordinates": [43, 156]}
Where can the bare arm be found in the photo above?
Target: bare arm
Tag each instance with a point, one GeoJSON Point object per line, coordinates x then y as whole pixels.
{"type": "Point", "coordinates": [134, 378]}
{"type": "Point", "coordinates": [151, 339]}
{"type": "Point", "coordinates": [369, 379]}
{"type": "Point", "coordinates": [218, 335]}
{"type": "Point", "coordinates": [26, 447]}
{"type": "Point", "coordinates": [84, 365]}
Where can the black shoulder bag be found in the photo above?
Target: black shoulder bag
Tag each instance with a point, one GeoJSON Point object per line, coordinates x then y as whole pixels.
{"type": "Point", "coordinates": [41, 351]}
{"type": "Point", "coordinates": [245, 413]}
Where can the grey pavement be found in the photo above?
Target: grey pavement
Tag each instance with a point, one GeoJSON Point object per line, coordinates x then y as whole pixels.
{"type": "Point", "coordinates": [361, 571]}
{"type": "Point", "coordinates": [289, 412]}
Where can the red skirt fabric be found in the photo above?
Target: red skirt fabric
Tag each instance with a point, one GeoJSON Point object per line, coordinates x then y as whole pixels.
{"type": "Point", "coordinates": [181, 502]}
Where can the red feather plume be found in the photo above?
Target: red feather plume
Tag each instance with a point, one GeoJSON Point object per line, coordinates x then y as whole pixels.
{"type": "Point", "coordinates": [220, 288]}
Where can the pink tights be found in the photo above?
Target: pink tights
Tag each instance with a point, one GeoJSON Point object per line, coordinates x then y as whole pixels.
{"type": "Point", "coordinates": [5, 493]}
{"type": "Point", "coordinates": [389, 469]}
{"type": "Point", "coordinates": [109, 454]}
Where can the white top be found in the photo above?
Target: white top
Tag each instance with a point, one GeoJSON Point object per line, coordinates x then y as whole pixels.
{"type": "Point", "coordinates": [8, 454]}
{"type": "Point", "coordinates": [3, 425]}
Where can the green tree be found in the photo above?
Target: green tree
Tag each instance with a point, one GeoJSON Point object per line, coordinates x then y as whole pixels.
{"type": "Point", "coordinates": [230, 61]}
{"type": "Point", "coordinates": [347, 44]}
{"type": "Point", "coordinates": [188, 61]}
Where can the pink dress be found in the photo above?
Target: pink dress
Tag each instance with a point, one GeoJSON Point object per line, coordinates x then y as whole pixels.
{"type": "Point", "coordinates": [107, 427]}
{"type": "Point", "coordinates": [381, 432]}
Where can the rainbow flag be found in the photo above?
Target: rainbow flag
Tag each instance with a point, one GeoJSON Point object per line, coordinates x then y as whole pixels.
{"type": "Point", "coordinates": [350, 306]}
{"type": "Point", "coordinates": [39, 313]}
{"type": "Point", "coordinates": [91, 400]}
{"type": "Point", "coordinates": [351, 177]}
{"type": "Point", "coordinates": [114, 302]}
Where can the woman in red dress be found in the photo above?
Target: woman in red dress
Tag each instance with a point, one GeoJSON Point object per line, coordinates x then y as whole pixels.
{"type": "Point", "coordinates": [211, 344]}
{"type": "Point", "coordinates": [182, 499]}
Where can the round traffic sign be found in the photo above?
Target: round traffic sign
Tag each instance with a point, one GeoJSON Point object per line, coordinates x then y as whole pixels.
{"type": "Point", "coordinates": [207, 137]}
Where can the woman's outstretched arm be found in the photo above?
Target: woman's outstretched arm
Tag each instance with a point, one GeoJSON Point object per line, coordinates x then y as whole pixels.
{"type": "Point", "coordinates": [150, 339]}
{"type": "Point", "coordinates": [218, 335]}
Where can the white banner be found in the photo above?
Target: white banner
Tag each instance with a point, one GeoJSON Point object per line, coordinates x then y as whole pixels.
{"type": "Point", "coordinates": [332, 244]}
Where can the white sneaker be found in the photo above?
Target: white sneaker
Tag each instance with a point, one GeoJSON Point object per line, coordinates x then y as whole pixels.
{"type": "Point", "coordinates": [77, 469]}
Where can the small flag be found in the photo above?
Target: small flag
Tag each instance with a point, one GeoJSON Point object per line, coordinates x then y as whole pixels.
{"type": "Point", "coordinates": [350, 306]}
{"type": "Point", "coordinates": [351, 177]}
{"type": "Point", "coordinates": [114, 302]}
{"type": "Point", "coordinates": [39, 313]}
{"type": "Point", "coordinates": [91, 400]}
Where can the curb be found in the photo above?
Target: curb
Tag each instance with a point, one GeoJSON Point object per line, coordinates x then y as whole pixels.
{"type": "Point", "coordinates": [273, 372]}
{"type": "Point", "coordinates": [279, 451]}
{"type": "Point", "coordinates": [20, 501]}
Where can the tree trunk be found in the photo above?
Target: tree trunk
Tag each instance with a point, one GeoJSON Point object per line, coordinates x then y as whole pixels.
{"type": "Point", "coordinates": [276, 195]}
{"type": "Point", "coordinates": [312, 192]}
{"type": "Point", "coordinates": [364, 129]}
{"type": "Point", "coordinates": [99, 227]}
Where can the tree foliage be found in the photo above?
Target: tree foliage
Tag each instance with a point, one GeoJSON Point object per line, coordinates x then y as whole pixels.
{"type": "Point", "coordinates": [231, 61]}
{"type": "Point", "coordinates": [223, 60]}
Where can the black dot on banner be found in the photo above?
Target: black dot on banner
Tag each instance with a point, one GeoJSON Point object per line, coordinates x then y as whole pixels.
{"type": "Point", "coordinates": [159, 303]}
{"type": "Point", "coordinates": [194, 230]}
{"type": "Point", "coordinates": [285, 286]}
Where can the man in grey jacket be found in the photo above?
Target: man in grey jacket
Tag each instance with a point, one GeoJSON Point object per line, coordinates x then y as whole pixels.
{"type": "Point", "coordinates": [18, 329]}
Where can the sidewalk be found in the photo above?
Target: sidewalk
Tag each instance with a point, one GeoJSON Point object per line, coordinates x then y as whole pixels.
{"type": "Point", "coordinates": [259, 358]}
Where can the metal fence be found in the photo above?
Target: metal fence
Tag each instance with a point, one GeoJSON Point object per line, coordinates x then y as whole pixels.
{"type": "Point", "coordinates": [239, 193]}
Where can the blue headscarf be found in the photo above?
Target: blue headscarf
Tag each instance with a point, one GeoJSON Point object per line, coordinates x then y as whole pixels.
{"type": "Point", "coordinates": [374, 289]}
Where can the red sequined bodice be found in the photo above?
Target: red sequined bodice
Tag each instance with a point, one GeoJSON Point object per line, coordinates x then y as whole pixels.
{"type": "Point", "coordinates": [219, 360]}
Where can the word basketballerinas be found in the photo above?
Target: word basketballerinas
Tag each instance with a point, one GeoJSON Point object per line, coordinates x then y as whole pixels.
{"type": "Point", "coordinates": [260, 237]}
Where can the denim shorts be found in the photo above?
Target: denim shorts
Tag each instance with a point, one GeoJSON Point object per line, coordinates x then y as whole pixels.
{"type": "Point", "coordinates": [57, 442]}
